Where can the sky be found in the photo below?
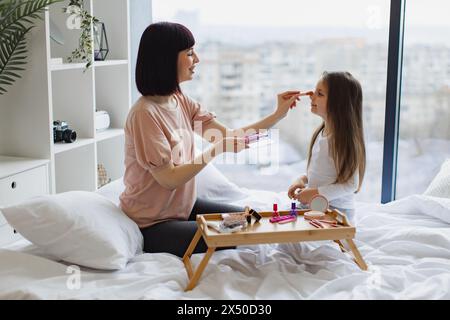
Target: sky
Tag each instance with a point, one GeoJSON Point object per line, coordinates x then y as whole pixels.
{"type": "Point", "coordinates": [373, 14]}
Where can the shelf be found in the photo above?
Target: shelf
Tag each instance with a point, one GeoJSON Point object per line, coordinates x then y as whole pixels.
{"type": "Point", "coordinates": [111, 154]}
{"type": "Point", "coordinates": [97, 64]}
{"type": "Point", "coordinates": [67, 66]}
{"type": "Point", "coordinates": [13, 165]}
{"type": "Point", "coordinates": [110, 63]}
{"type": "Point", "coordinates": [109, 133]}
{"type": "Point", "coordinates": [76, 169]}
{"type": "Point", "coordinates": [62, 146]}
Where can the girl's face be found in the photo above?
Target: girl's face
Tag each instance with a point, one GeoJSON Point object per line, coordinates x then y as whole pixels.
{"type": "Point", "coordinates": [319, 100]}
{"type": "Point", "coordinates": [187, 59]}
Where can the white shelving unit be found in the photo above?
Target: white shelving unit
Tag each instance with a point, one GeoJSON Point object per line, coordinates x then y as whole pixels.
{"type": "Point", "coordinates": [68, 92]}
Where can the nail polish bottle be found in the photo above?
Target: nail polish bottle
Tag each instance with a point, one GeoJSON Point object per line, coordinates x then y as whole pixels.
{"type": "Point", "coordinates": [293, 209]}
{"type": "Point", "coordinates": [275, 210]}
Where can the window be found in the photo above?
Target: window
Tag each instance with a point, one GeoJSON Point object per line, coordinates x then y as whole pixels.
{"type": "Point", "coordinates": [424, 138]}
{"type": "Point", "coordinates": [251, 50]}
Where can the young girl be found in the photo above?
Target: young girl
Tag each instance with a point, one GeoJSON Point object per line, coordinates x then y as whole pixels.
{"type": "Point", "coordinates": [337, 156]}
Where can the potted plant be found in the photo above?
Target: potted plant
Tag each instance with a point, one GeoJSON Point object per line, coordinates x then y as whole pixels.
{"type": "Point", "coordinates": [84, 22]}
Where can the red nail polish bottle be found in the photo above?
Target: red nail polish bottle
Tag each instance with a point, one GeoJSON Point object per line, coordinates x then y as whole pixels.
{"type": "Point", "coordinates": [275, 210]}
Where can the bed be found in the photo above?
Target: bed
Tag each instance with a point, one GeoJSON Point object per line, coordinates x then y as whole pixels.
{"type": "Point", "coordinates": [406, 244]}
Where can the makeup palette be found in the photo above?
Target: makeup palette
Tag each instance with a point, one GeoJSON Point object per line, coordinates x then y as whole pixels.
{"type": "Point", "coordinates": [319, 206]}
{"type": "Point", "coordinates": [259, 140]}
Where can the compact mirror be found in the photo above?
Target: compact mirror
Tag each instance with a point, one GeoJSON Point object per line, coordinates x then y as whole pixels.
{"type": "Point", "coordinates": [319, 203]}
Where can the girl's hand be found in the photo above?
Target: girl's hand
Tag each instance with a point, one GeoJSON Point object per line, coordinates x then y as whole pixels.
{"type": "Point", "coordinates": [297, 186]}
{"type": "Point", "coordinates": [293, 190]}
{"type": "Point", "coordinates": [306, 195]}
{"type": "Point", "coordinates": [286, 100]}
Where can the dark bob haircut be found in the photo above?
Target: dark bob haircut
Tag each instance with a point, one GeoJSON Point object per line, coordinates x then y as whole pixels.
{"type": "Point", "coordinates": [157, 60]}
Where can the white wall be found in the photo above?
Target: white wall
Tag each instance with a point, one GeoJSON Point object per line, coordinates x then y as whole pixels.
{"type": "Point", "coordinates": [141, 17]}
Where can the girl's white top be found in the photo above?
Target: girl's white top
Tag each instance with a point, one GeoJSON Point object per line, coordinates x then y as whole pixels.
{"type": "Point", "coordinates": [322, 175]}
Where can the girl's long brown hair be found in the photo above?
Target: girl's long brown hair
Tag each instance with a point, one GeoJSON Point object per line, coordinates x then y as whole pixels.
{"type": "Point", "coordinates": [345, 121]}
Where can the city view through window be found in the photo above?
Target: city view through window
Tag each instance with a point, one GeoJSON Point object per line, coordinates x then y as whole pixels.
{"type": "Point", "coordinates": [251, 50]}
{"type": "Point", "coordinates": [425, 106]}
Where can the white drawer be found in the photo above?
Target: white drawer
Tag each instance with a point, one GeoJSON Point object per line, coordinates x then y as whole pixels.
{"type": "Point", "coordinates": [7, 235]}
{"type": "Point", "coordinates": [21, 186]}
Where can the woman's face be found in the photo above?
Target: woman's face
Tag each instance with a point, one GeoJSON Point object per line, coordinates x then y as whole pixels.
{"type": "Point", "coordinates": [187, 59]}
{"type": "Point", "coordinates": [319, 100]}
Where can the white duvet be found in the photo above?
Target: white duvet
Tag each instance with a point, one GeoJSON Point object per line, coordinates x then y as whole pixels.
{"type": "Point", "coordinates": [405, 243]}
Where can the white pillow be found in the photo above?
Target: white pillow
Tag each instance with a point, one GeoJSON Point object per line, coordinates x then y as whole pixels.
{"type": "Point", "coordinates": [78, 227]}
{"type": "Point", "coordinates": [112, 191]}
{"type": "Point", "coordinates": [213, 185]}
{"type": "Point", "coordinates": [440, 186]}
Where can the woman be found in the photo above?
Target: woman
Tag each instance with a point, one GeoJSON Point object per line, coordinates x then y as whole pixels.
{"type": "Point", "coordinates": [159, 157]}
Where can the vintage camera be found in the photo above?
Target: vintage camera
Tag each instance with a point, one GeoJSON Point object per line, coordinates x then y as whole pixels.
{"type": "Point", "coordinates": [61, 132]}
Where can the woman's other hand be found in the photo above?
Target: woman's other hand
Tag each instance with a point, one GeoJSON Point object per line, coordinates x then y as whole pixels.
{"type": "Point", "coordinates": [286, 101]}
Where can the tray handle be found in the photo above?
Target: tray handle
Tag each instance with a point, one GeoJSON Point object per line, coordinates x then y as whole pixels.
{"type": "Point", "coordinates": [341, 217]}
{"type": "Point", "coordinates": [203, 224]}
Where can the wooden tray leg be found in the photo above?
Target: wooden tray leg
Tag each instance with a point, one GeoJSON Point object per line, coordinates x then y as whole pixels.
{"type": "Point", "coordinates": [341, 246]}
{"type": "Point", "coordinates": [357, 256]}
{"type": "Point", "coordinates": [189, 251]}
{"type": "Point", "coordinates": [193, 280]}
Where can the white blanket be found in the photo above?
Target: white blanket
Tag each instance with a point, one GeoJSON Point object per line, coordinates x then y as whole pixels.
{"type": "Point", "coordinates": [405, 243]}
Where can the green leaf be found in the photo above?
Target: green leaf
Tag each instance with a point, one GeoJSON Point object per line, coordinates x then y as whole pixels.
{"type": "Point", "coordinates": [12, 53]}
{"type": "Point", "coordinates": [14, 68]}
{"type": "Point", "coordinates": [4, 82]}
{"type": "Point", "coordinates": [12, 74]}
{"type": "Point", "coordinates": [6, 78]}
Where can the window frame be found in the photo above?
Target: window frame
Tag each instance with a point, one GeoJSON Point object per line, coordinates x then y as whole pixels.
{"type": "Point", "coordinates": [393, 99]}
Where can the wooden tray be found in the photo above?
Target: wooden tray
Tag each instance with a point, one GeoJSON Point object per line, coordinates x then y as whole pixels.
{"type": "Point", "coordinates": [266, 232]}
